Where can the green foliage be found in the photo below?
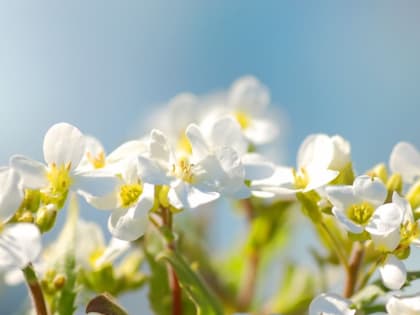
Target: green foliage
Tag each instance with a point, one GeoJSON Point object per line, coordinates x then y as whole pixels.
{"type": "Point", "coordinates": [204, 301]}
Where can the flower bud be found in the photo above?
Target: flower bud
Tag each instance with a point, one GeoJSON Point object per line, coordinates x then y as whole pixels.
{"type": "Point", "coordinates": [45, 217]}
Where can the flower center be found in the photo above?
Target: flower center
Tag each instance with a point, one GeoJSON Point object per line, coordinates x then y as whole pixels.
{"type": "Point", "coordinates": [97, 161]}
{"type": "Point", "coordinates": [360, 213]}
{"type": "Point", "coordinates": [129, 194]}
{"type": "Point", "coordinates": [301, 178]}
{"type": "Point", "coordinates": [95, 255]}
{"type": "Point", "coordinates": [59, 178]}
{"type": "Point", "coordinates": [184, 144]}
{"type": "Point", "coordinates": [243, 119]}
{"type": "Point", "coordinates": [183, 170]}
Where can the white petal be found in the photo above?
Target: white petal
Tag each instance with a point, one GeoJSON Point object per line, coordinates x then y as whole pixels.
{"type": "Point", "coordinates": [316, 151]}
{"type": "Point", "coordinates": [198, 144]}
{"type": "Point", "coordinates": [385, 219]}
{"type": "Point", "coordinates": [403, 305]}
{"type": "Point", "coordinates": [386, 242]}
{"type": "Point", "coordinates": [106, 202]}
{"type": "Point", "coordinates": [261, 131]}
{"type": "Point", "coordinates": [249, 95]}
{"type": "Point", "coordinates": [346, 222]}
{"type": "Point", "coordinates": [124, 226]}
{"type": "Point", "coordinates": [20, 244]}
{"type": "Point", "coordinates": [95, 183]}
{"type": "Point", "coordinates": [11, 194]}
{"type": "Point", "coordinates": [342, 151]}
{"type": "Point", "coordinates": [370, 189]}
{"type": "Point", "coordinates": [128, 149]}
{"type": "Point", "coordinates": [191, 197]}
{"type": "Point", "coordinates": [257, 167]}
{"type": "Point", "coordinates": [14, 277]}
{"type": "Point", "coordinates": [341, 196]}
{"type": "Point", "coordinates": [281, 176]}
{"type": "Point", "coordinates": [151, 172]}
{"type": "Point", "coordinates": [405, 207]}
{"type": "Point", "coordinates": [32, 173]}
{"type": "Point", "coordinates": [393, 273]}
{"type": "Point", "coordinates": [319, 178]}
{"type": "Point", "coordinates": [64, 143]}
{"type": "Point", "coordinates": [159, 147]}
{"type": "Point", "coordinates": [330, 304]}
{"type": "Point", "coordinates": [226, 132]}
{"type": "Point", "coordinates": [405, 160]}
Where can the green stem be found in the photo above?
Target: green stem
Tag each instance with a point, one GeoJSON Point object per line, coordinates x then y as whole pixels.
{"type": "Point", "coordinates": [35, 290]}
{"type": "Point", "coordinates": [167, 221]}
{"type": "Point", "coordinates": [250, 278]}
{"type": "Point", "coordinates": [337, 247]}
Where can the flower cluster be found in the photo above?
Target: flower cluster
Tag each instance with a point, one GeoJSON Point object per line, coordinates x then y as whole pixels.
{"type": "Point", "coordinates": [200, 149]}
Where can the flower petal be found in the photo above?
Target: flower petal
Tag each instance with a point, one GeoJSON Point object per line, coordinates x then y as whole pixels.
{"type": "Point", "coordinates": [261, 131]}
{"type": "Point", "coordinates": [226, 132]}
{"type": "Point", "coordinates": [393, 273]}
{"type": "Point", "coordinates": [257, 167]}
{"type": "Point", "coordinates": [405, 160]}
{"type": "Point", "coordinates": [128, 149]}
{"type": "Point", "coordinates": [346, 222]}
{"type": "Point", "coordinates": [341, 196]}
{"type": "Point", "coordinates": [123, 225]}
{"type": "Point", "coordinates": [191, 197]}
{"type": "Point", "coordinates": [319, 178]}
{"type": "Point", "coordinates": [151, 172]}
{"type": "Point", "coordinates": [115, 249]}
{"type": "Point", "coordinates": [330, 304]}
{"type": "Point", "coordinates": [370, 189]}
{"type": "Point", "coordinates": [64, 143]}
{"type": "Point", "coordinates": [11, 193]}
{"type": "Point", "coordinates": [403, 305]}
{"type": "Point", "coordinates": [316, 151]}
{"type": "Point", "coordinates": [198, 144]}
{"type": "Point", "coordinates": [20, 244]}
{"type": "Point", "coordinates": [32, 173]}
{"type": "Point", "coordinates": [95, 183]}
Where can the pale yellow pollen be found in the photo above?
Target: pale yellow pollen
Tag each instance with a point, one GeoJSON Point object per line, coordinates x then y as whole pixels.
{"type": "Point", "coordinates": [360, 213]}
{"type": "Point", "coordinates": [59, 178]}
{"type": "Point", "coordinates": [130, 193]}
{"type": "Point", "coordinates": [301, 178]}
{"type": "Point", "coordinates": [409, 231]}
{"type": "Point", "coordinates": [184, 144]}
{"type": "Point", "coordinates": [243, 119]}
{"type": "Point", "coordinates": [183, 170]}
{"type": "Point", "coordinates": [97, 161]}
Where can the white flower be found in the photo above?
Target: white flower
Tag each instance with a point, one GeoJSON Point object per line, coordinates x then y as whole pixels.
{"type": "Point", "coordinates": [64, 147]}
{"type": "Point", "coordinates": [20, 244]}
{"type": "Point", "coordinates": [393, 273]}
{"type": "Point", "coordinates": [130, 203]}
{"type": "Point", "coordinates": [191, 182]}
{"type": "Point", "coordinates": [405, 160]}
{"type": "Point", "coordinates": [226, 142]}
{"type": "Point", "coordinates": [11, 193]}
{"type": "Point", "coordinates": [354, 205]}
{"type": "Point", "coordinates": [403, 305]}
{"type": "Point", "coordinates": [95, 156]}
{"type": "Point", "coordinates": [330, 304]}
{"type": "Point", "coordinates": [316, 156]}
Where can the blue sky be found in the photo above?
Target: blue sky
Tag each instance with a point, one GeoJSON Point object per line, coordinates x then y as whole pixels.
{"type": "Point", "coordinates": [332, 66]}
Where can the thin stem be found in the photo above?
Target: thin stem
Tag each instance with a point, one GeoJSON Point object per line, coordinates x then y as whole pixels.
{"type": "Point", "coordinates": [250, 278]}
{"type": "Point", "coordinates": [35, 290]}
{"type": "Point", "coordinates": [370, 272]}
{"type": "Point", "coordinates": [338, 249]}
{"type": "Point", "coordinates": [172, 277]}
{"type": "Point", "coordinates": [352, 273]}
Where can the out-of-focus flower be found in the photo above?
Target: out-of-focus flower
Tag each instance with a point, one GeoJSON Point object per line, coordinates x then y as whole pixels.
{"type": "Point", "coordinates": [330, 304]}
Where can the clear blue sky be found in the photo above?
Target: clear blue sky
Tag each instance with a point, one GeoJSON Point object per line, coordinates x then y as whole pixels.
{"type": "Point", "coordinates": [348, 67]}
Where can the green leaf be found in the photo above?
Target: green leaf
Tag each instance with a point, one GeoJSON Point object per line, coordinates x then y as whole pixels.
{"type": "Point", "coordinates": [204, 300]}
{"type": "Point", "coordinates": [105, 304]}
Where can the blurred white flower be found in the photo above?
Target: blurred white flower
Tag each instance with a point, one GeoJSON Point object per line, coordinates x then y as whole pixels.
{"type": "Point", "coordinates": [409, 305]}
{"type": "Point", "coordinates": [405, 160]}
{"type": "Point", "coordinates": [11, 193]}
{"type": "Point", "coordinates": [330, 304]}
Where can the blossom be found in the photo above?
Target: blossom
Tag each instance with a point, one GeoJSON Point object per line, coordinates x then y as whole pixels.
{"type": "Point", "coordinates": [190, 182]}
{"type": "Point", "coordinates": [330, 304]}
{"type": "Point", "coordinates": [11, 194]}
{"type": "Point", "coordinates": [20, 244]}
{"type": "Point", "coordinates": [405, 160]}
{"type": "Point", "coordinates": [63, 147]}
{"type": "Point", "coordinates": [408, 305]}
{"type": "Point", "coordinates": [130, 202]}
{"type": "Point", "coordinates": [317, 156]}
{"type": "Point", "coordinates": [226, 142]}
{"type": "Point", "coordinates": [354, 205]}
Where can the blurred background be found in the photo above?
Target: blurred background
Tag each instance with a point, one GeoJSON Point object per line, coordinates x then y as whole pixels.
{"type": "Point", "coordinates": [351, 68]}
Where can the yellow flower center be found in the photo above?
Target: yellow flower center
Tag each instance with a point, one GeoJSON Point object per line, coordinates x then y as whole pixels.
{"type": "Point", "coordinates": [360, 213]}
{"type": "Point", "coordinates": [243, 119]}
{"type": "Point", "coordinates": [301, 178]}
{"type": "Point", "coordinates": [184, 144]}
{"type": "Point", "coordinates": [129, 194]}
{"type": "Point", "coordinates": [59, 178]}
{"type": "Point", "coordinates": [97, 161]}
{"type": "Point", "coordinates": [183, 170]}
{"type": "Point", "coordinates": [93, 256]}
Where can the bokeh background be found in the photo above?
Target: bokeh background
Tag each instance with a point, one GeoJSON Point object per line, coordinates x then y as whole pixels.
{"type": "Point", "coordinates": [351, 68]}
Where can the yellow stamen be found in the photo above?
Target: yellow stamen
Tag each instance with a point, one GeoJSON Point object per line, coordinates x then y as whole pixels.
{"type": "Point", "coordinates": [360, 213]}
{"type": "Point", "coordinates": [129, 194]}
{"type": "Point", "coordinates": [184, 170]}
{"type": "Point", "coordinates": [184, 144]}
{"type": "Point", "coordinates": [301, 178]}
{"type": "Point", "coordinates": [97, 161]}
{"type": "Point", "coordinates": [243, 119]}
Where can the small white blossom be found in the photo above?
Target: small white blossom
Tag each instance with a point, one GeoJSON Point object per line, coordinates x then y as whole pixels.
{"type": "Point", "coordinates": [330, 304]}
{"type": "Point", "coordinates": [11, 193]}
{"type": "Point", "coordinates": [405, 160]}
